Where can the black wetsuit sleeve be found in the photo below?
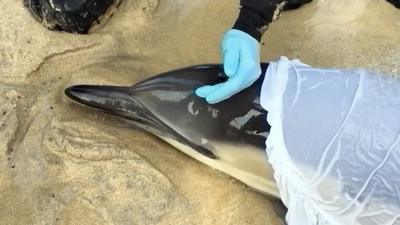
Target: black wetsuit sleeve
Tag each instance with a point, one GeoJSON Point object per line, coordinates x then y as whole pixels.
{"type": "Point", "coordinates": [256, 15]}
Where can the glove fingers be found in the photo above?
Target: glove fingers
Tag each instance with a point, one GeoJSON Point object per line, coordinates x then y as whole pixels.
{"type": "Point", "coordinates": [231, 58]}
{"type": "Point", "coordinates": [241, 62]}
{"type": "Point", "coordinates": [245, 76]}
{"type": "Point", "coordinates": [225, 90]}
{"type": "Point", "coordinates": [250, 70]}
{"type": "Point", "coordinates": [204, 91]}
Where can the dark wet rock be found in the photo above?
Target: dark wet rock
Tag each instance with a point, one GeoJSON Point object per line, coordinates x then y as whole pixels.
{"type": "Point", "coordinates": [396, 3]}
{"type": "Point", "coordinates": [74, 16]}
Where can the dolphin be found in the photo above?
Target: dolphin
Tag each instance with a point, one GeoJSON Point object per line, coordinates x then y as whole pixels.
{"type": "Point", "coordinates": [228, 136]}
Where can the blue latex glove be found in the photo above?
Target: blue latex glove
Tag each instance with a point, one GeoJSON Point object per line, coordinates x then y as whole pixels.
{"type": "Point", "coordinates": [241, 57]}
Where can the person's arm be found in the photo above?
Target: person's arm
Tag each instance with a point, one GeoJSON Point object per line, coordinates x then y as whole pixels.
{"type": "Point", "coordinates": [256, 15]}
{"type": "Point", "coordinates": [241, 49]}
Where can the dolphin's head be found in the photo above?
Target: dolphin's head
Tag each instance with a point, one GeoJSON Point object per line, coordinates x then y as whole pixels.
{"type": "Point", "coordinates": [160, 105]}
{"type": "Point", "coordinates": [167, 103]}
{"type": "Point", "coordinates": [229, 136]}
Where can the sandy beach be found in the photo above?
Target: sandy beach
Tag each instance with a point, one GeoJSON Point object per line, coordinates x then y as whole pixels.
{"type": "Point", "coordinates": [64, 164]}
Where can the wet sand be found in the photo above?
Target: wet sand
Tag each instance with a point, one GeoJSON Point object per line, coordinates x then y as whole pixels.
{"type": "Point", "coordinates": [64, 164]}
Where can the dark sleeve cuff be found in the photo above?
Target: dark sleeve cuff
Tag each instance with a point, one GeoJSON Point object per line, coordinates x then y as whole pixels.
{"type": "Point", "coordinates": [250, 23]}
{"type": "Point", "coordinates": [256, 15]}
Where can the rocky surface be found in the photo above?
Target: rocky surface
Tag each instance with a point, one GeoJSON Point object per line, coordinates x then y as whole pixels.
{"type": "Point", "coordinates": [63, 164]}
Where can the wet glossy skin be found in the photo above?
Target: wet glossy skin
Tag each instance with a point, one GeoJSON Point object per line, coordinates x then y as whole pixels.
{"type": "Point", "coordinates": [228, 136]}
{"type": "Point", "coordinates": [74, 16]}
{"type": "Point", "coordinates": [167, 104]}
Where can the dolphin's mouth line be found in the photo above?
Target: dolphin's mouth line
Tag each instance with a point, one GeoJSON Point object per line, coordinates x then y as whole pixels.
{"type": "Point", "coordinates": [162, 130]}
{"type": "Point", "coordinates": [148, 121]}
{"type": "Point", "coordinates": [158, 127]}
{"type": "Point", "coordinates": [152, 119]}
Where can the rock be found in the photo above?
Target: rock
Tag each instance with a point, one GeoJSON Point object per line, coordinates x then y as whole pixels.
{"type": "Point", "coordinates": [76, 16]}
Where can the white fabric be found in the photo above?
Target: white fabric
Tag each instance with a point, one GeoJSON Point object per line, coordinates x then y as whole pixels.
{"type": "Point", "coordinates": [334, 143]}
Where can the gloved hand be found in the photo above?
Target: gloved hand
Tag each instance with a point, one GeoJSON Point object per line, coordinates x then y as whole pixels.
{"type": "Point", "coordinates": [241, 58]}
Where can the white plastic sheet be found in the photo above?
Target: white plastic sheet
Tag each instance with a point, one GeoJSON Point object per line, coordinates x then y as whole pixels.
{"type": "Point", "coordinates": [334, 143]}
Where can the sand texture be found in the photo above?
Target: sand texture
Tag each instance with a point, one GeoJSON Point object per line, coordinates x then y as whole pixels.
{"type": "Point", "coordinates": [64, 164]}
